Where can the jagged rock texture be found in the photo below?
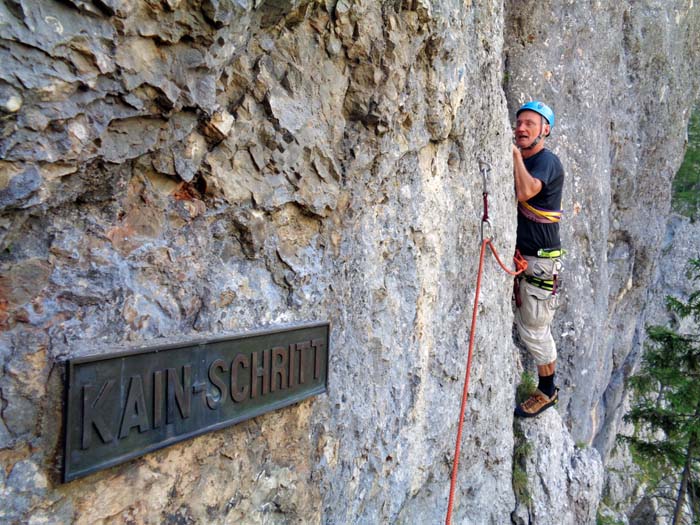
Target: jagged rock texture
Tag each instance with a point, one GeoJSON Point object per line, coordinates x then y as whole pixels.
{"type": "Point", "coordinates": [564, 480]}
{"type": "Point", "coordinates": [178, 168]}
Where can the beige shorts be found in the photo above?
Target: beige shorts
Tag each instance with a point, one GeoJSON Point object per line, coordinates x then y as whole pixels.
{"type": "Point", "coordinates": [534, 316]}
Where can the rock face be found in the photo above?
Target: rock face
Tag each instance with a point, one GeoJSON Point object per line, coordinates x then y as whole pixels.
{"type": "Point", "coordinates": [564, 481]}
{"type": "Point", "coordinates": [184, 168]}
{"type": "Point", "coordinates": [614, 114]}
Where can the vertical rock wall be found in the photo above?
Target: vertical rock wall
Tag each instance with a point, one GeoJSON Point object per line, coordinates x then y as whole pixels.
{"type": "Point", "coordinates": [178, 169]}
{"type": "Point", "coordinates": [622, 80]}
{"type": "Point", "coordinates": [680, 244]}
{"type": "Point", "coordinates": [181, 169]}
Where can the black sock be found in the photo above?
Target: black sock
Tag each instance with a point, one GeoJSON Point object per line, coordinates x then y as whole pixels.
{"type": "Point", "coordinates": [546, 385]}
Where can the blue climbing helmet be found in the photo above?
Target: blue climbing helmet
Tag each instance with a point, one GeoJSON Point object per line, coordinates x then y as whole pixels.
{"type": "Point", "coordinates": [540, 108]}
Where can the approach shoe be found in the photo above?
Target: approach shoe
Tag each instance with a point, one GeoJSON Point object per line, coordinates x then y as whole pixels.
{"type": "Point", "coordinates": [536, 404]}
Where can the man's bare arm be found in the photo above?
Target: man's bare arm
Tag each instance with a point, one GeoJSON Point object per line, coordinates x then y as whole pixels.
{"type": "Point", "coordinates": [526, 186]}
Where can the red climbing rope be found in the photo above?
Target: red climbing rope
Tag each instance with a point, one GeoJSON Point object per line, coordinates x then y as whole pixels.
{"type": "Point", "coordinates": [520, 265]}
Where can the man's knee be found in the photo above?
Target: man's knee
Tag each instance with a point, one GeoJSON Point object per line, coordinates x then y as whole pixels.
{"type": "Point", "coordinates": [538, 341]}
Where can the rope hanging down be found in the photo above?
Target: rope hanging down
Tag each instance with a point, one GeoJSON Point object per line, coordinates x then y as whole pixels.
{"type": "Point", "coordinates": [520, 265]}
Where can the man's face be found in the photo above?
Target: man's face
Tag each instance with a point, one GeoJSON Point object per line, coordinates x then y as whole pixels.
{"type": "Point", "coordinates": [528, 126]}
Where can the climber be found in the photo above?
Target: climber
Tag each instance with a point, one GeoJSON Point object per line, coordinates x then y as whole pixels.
{"type": "Point", "coordinates": [539, 181]}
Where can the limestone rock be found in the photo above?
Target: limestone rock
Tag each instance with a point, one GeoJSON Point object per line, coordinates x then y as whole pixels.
{"type": "Point", "coordinates": [20, 187]}
{"type": "Point", "coordinates": [219, 126]}
{"type": "Point", "coordinates": [564, 481]}
{"type": "Point", "coordinates": [185, 169]}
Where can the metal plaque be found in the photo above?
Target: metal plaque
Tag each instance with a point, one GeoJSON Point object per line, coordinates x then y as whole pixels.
{"type": "Point", "coordinates": [125, 404]}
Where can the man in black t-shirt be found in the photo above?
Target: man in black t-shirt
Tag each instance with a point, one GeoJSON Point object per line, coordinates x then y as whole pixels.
{"type": "Point", "coordinates": [539, 182]}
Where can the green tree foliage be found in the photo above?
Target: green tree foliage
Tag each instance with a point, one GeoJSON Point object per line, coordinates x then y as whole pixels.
{"type": "Point", "coordinates": [666, 408]}
{"type": "Point", "coordinates": [686, 185]}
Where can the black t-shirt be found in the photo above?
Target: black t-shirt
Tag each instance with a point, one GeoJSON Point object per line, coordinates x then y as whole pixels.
{"type": "Point", "coordinates": [533, 236]}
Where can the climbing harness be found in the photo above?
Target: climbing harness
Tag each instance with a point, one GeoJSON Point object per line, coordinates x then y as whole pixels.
{"type": "Point", "coordinates": [520, 265]}
{"type": "Point", "coordinates": [549, 285]}
{"type": "Point", "coordinates": [550, 254]}
{"type": "Point", "coordinates": [545, 284]}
